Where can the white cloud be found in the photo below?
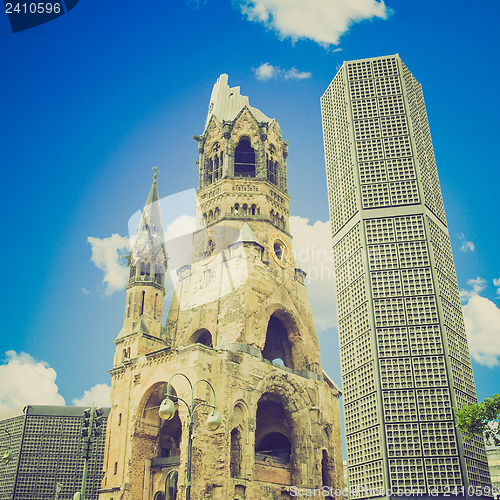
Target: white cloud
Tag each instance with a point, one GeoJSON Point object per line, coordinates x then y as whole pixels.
{"type": "Point", "coordinates": [496, 283]}
{"type": "Point", "coordinates": [267, 71]}
{"type": "Point", "coordinates": [482, 322]}
{"type": "Point", "coordinates": [323, 21]}
{"type": "Point", "coordinates": [23, 380]}
{"type": "Point", "coordinates": [185, 224]}
{"type": "Point", "coordinates": [466, 245]}
{"type": "Point", "coordinates": [85, 291]}
{"type": "Point", "coordinates": [99, 395]}
{"type": "Point", "coordinates": [108, 255]}
{"type": "Point", "coordinates": [312, 252]}
{"type": "Point", "coordinates": [478, 285]}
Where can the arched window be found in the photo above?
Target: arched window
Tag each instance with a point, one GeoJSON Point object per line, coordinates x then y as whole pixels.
{"type": "Point", "coordinates": [202, 336]}
{"type": "Point", "coordinates": [216, 168]}
{"type": "Point", "coordinates": [326, 472]}
{"type": "Point", "coordinates": [171, 485]}
{"type": "Point", "coordinates": [169, 438]}
{"type": "Point", "coordinates": [273, 431]}
{"type": "Point", "coordinates": [245, 209]}
{"type": "Point", "coordinates": [236, 208]}
{"type": "Point", "coordinates": [235, 456]}
{"type": "Point", "coordinates": [244, 159]}
{"type": "Point", "coordinates": [272, 171]}
{"type": "Point", "coordinates": [159, 274]}
{"type": "Point", "coordinates": [154, 311]}
{"type": "Point", "coordinates": [210, 170]}
{"type": "Point", "coordinates": [277, 347]}
{"type": "Point", "coordinates": [142, 302]}
{"type": "Point", "coordinates": [129, 305]}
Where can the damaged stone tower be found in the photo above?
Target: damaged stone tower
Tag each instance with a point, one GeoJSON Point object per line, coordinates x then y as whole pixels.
{"type": "Point", "coordinates": [240, 319]}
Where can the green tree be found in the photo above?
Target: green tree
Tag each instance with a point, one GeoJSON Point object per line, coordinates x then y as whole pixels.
{"type": "Point", "coordinates": [480, 418]}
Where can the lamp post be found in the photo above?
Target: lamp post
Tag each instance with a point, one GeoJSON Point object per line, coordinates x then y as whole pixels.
{"type": "Point", "coordinates": [7, 456]}
{"type": "Point", "coordinates": [167, 411]}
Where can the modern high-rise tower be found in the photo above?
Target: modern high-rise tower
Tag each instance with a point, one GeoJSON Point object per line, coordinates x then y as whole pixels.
{"type": "Point", "coordinates": [404, 353]}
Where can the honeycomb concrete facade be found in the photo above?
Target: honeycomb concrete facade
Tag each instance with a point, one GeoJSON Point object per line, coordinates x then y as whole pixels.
{"type": "Point", "coordinates": [404, 356]}
{"type": "Point", "coordinates": [240, 319]}
{"type": "Point", "coordinates": [47, 451]}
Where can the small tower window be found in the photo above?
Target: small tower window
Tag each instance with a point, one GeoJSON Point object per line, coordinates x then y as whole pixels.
{"type": "Point", "coordinates": [142, 302]}
{"type": "Point", "coordinates": [235, 458]}
{"type": "Point", "coordinates": [244, 159]}
{"type": "Point", "coordinates": [210, 170]}
{"type": "Point", "coordinates": [154, 311]}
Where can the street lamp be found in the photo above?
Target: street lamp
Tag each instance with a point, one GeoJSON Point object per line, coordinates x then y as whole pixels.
{"type": "Point", "coordinates": [167, 411]}
{"type": "Point", "coordinates": [7, 456]}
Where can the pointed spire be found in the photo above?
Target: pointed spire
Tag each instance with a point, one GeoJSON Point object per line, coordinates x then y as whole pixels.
{"type": "Point", "coordinates": [149, 234]}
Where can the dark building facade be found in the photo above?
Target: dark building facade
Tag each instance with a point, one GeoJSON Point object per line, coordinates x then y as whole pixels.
{"type": "Point", "coordinates": [47, 449]}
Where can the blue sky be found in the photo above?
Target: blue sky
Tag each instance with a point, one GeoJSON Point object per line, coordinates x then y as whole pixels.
{"type": "Point", "coordinates": [94, 99]}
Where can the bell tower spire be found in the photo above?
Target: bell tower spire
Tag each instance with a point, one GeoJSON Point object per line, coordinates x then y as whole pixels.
{"type": "Point", "coordinates": [145, 288]}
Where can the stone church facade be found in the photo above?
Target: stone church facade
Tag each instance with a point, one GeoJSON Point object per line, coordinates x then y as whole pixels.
{"type": "Point", "coordinates": [240, 319]}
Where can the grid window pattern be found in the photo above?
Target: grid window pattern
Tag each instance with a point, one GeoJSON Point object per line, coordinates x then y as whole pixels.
{"type": "Point", "coordinates": [389, 312]}
{"type": "Point", "coordinates": [443, 474]}
{"type": "Point", "coordinates": [392, 342]}
{"type": "Point", "coordinates": [349, 271]}
{"type": "Point", "coordinates": [429, 371]}
{"type": "Point", "coordinates": [474, 448]}
{"type": "Point", "coordinates": [403, 440]}
{"type": "Point", "coordinates": [421, 310]}
{"type": "Point", "coordinates": [372, 172]}
{"type": "Point", "coordinates": [382, 257]}
{"type": "Point", "coordinates": [356, 352]}
{"type": "Point", "coordinates": [407, 473]}
{"type": "Point", "coordinates": [417, 281]}
{"type": "Point", "coordinates": [400, 169]}
{"type": "Point", "coordinates": [361, 413]}
{"type": "Point", "coordinates": [355, 323]}
{"type": "Point", "coordinates": [434, 404]}
{"type": "Point", "coordinates": [364, 445]}
{"type": "Point", "coordinates": [396, 373]}
{"type": "Point", "coordinates": [425, 340]}
{"type": "Point", "coordinates": [379, 230]}
{"type": "Point", "coordinates": [478, 472]}
{"type": "Point", "coordinates": [359, 382]}
{"type": "Point", "coordinates": [438, 438]}
{"type": "Point", "coordinates": [366, 480]}
{"type": "Point", "coordinates": [51, 453]}
{"type": "Point", "coordinates": [400, 406]}
{"type": "Point", "coordinates": [413, 254]}
{"type": "Point", "coordinates": [386, 284]}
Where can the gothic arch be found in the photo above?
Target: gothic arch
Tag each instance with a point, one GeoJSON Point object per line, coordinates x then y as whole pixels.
{"type": "Point", "coordinates": [295, 402]}
{"type": "Point", "coordinates": [201, 336]}
{"type": "Point", "coordinates": [239, 440]}
{"type": "Point", "coordinates": [245, 158]}
{"type": "Point", "coordinates": [283, 340]}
